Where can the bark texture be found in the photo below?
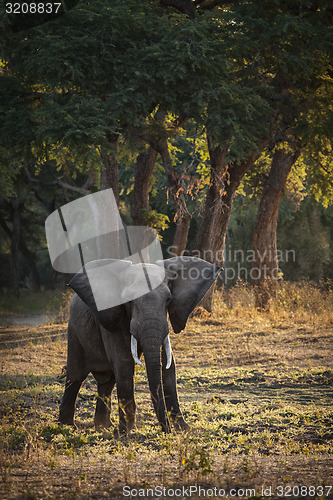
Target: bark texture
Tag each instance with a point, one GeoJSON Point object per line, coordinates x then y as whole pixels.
{"type": "Point", "coordinates": [182, 215]}
{"type": "Point", "coordinates": [109, 169]}
{"type": "Point", "coordinates": [265, 267]}
{"type": "Point", "coordinates": [206, 239]}
{"type": "Point", "coordinates": [210, 238]}
{"type": "Point", "coordinates": [143, 171]}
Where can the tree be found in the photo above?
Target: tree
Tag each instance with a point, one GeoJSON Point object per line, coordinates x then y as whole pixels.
{"type": "Point", "coordinates": [97, 77]}
{"type": "Point", "coordinates": [265, 267]}
{"type": "Point", "coordinates": [301, 72]}
{"type": "Point", "coordinates": [290, 58]}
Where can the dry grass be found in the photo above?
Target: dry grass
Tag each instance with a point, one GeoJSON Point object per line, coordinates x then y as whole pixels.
{"type": "Point", "coordinates": [256, 389]}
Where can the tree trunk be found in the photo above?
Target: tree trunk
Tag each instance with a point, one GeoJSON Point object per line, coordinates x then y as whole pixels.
{"type": "Point", "coordinates": [35, 279]}
{"type": "Point", "coordinates": [51, 279]}
{"type": "Point", "coordinates": [265, 267]}
{"type": "Point", "coordinates": [205, 244]}
{"type": "Point", "coordinates": [109, 169]}
{"type": "Point", "coordinates": [182, 215]}
{"type": "Point", "coordinates": [225, 179]}
{"type": "Point", "coordinates": [143, 171]}
{"type": "Point", "coordinates": [209, 228]}
{"type": "Point", "coordinates": [15, 244]}
{"type": "Point", "coordinates": [29, 259]}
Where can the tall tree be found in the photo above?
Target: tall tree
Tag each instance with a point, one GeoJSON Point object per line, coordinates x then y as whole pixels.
{"type": "Point", "coordinates": [265, 267]}
{"type": "Point", "coordinates": [301, 68]}
{"type": "Point", "coordinates": [290, 57]}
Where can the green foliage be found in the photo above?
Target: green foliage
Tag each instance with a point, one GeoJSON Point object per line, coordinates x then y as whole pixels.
{"type": "Point", "coordinates": [303, 239]}
{"type": "Point", "coordinates": [50, 302]}
{"type": "Point", "coordinates": [110, 76]}
{"type": "Point", "coordinates": [155, 219]}
{"type": "Point", "coordinates": [198, 461]}
{"type": "Point", "coordinates": [9, 168]}
{"type": "Point", "coordinates": [63, 438]}
{"type": "Point", "coordinates": [247, 72]}
{"type": "Point", "coordinates": [304, 232]}
{"type": "Point", "coordinates": [17, 436]}
{"type": "Point", "coordinates": [16, 111]}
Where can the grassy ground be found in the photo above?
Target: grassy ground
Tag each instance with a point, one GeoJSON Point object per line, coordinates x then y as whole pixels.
{"type": "Point", "coordinates": [256, 389]}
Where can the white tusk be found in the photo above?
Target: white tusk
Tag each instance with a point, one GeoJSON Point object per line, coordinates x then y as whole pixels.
{"type": "Point", "coordinates": [134, 349]}
{"type": "Point", "coordinates": [168, 351]}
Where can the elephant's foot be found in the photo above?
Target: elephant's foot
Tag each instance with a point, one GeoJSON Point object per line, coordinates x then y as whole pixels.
{"type": "Point", "coordinates": [124, 428]}
{"type": "Point", "coordinates": [67, 406]}
{"type": "Point", "coordinates": [67, 421]}
{"type": "Point", "coordinates": [102, 424]}
{"type": "Point", "coordinates": [66, 418]}
{"type": "Point", "coordinates": [119, 433]}
{"type": "Point", "coordinates": [180, 425]}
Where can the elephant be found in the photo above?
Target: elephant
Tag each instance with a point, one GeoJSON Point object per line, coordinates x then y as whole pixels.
{"type": "Point", "coordinates": [108, 342]}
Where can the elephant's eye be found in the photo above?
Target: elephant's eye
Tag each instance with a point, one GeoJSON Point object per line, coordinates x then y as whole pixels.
{"type": "Point", "coordinates": [168, 300]}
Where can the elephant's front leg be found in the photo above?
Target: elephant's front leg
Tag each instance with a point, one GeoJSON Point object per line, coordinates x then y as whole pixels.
{"type": "Point", "coordinates": [171, 395]}
{"type": "Point", "coordinates": [118, 350]}
{"type": "Point", "coordinates": [126, 402]}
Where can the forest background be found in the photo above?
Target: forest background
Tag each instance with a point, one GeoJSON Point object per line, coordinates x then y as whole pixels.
{"type": "Point", "coordinates": [210, 120]}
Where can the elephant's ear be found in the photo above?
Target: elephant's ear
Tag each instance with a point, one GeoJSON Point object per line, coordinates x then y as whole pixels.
{"type": "Point", "coordinates": [80, 284]}
{"type": "Point", "coordinates": [190, 279]}
{"type": "Point", "coordinates": [98, 285]}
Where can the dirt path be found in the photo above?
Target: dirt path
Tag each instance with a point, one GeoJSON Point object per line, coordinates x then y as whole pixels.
{"type": "Point", "coordinates": [20, 329]}
{"type": "Point", "coordinates": [27, 320]}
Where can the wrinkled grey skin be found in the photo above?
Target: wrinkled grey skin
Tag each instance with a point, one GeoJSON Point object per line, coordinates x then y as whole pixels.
{"type": "Point", "coordinates": [100, 343]}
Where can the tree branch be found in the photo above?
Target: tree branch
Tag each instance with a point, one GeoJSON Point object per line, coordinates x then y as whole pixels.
{"type": "Point", "coordinates": [329, 172]}
{"type": "Point", "coordinates": [184, 6]}
{"type": "Point", "coordinates": [5, 228]}
{"type": "Point", "coordinates": [210, 4]}
{"type": "Point", "coordinates": [84, 189]}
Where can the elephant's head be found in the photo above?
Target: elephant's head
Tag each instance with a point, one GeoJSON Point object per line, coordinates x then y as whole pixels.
{"type": "Point", "coordinates": [175, 286]}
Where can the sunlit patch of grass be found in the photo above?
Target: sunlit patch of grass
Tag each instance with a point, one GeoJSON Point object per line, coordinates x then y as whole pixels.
{"type": "Point", "coordinates": [295, 301]}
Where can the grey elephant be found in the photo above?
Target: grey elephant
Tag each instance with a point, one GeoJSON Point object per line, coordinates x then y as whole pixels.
{"type": "Point", "coordinates": [107, 343]}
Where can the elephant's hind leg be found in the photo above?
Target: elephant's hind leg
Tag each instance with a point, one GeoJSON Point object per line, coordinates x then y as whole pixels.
{"type": "Point", "coordinates": [105, 384]}
{"type": "Point", "coordinates": [67, 406]}
{"type": "Point", "coordinates": [76, 373]}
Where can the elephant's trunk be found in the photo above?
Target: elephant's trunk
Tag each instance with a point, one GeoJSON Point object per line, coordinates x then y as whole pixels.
{"type": "Point", "coordinates": [154, 374]}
